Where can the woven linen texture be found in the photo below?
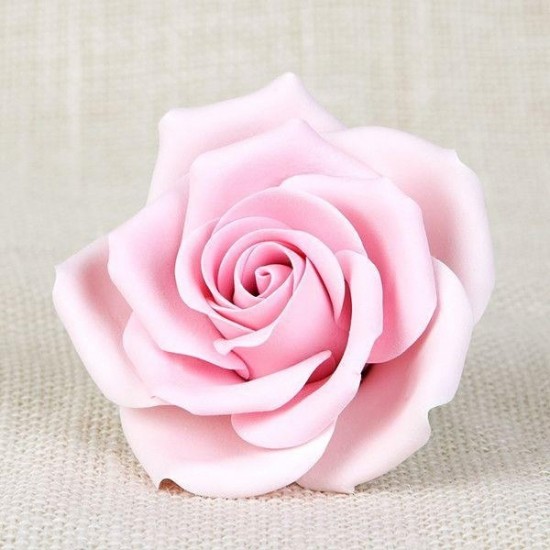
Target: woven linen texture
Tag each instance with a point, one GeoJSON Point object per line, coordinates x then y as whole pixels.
{"type": "Point", "coordinates": [82, 86]}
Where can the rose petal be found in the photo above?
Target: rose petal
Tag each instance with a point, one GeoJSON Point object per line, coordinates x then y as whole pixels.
{"type": "Point", "coordinates": [265, 265]}
{"type": "Point", "coordinates": [270, 277]}
{"type": "Point", "coordinates": [142, 256]}
{"type": "Point", "coordinates": [204, 455]}
{"type": "Point", "coordinates": [388, 419]}
{"type": "Point", "coordinates": [230, 247]}
{"type": "Point", "coordinates": [261, 310]}
{"type": "Point", "coordinates": [448, 193]}
{"type": "Point", "coordinates": [94, 314]}
{"type": "Point", "coordinates": [301, 211]}
{"type": "Point", "coordinates": [220, 178]}
{"type": "Point", "coordinates": [218, 260]}
{"type": "Point", "coordinates": [391, 227]}
{"type": "Point", "coordinates": [310, 412]}
{"type": "Point", "coordinates": [202, 388]}
{"type": "Point", "coordinates": [304, 328]}
{"type": "Point", "coordinates": [320, 256]}
{"type": "Point", "coordinates": [203, 246]}
{"type": "Point", "coordinates": [186, 133]}
{"type": "Point", "coordinates": [202, 255]}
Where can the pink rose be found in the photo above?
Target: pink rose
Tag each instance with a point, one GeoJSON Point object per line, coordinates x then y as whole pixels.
{"type": "Point", "coordinates": [290, 304]}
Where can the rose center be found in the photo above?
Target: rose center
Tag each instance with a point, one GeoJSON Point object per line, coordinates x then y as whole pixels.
{"type": "Point", "coordinates": [259, 272]}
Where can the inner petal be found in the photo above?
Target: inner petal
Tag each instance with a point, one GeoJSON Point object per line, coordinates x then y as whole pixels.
{"type": "Point", "coordinates": [255, 267]}
{"type": "Point", "coordinates": [322, 220]}
{"type": "Point", "coordinates": [271, 277]}
{"type": "Point", "coordinates": [263, 312]}
{"type": "Point", "coordinates": [249, 310]}
{"type": "Point", "coordinates": [236, 279]}
{"type": "Point", "coordinates": [304, 327]}
{"type": "Point", "coordinates": [297, 245]}
{"type": "Point", "coordinates": [215, 248]}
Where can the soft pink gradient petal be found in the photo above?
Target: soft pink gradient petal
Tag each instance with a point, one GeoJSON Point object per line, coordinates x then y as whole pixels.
{"type": "Point", "coordinates": [198, 269]}
{"type": "Point", "coordinates": [142, 256]}
{"type": "Point", "coordinates": [319, 404]}
{"type": "Point", "coordinates": [321, 257]}
{"type": "Point", "coordinates": [202, 388]}
{"type": "Point", "coordinates": [391, 227]}
{"type": "Point", "coordinates": [226, 253]}
{"type": "Point", "coordinates": [205, 456]}
{"type": "Point", "coordinates": [286, 342]}
{"type": "Point", "coordinates": [302, 211]}
{"type": "Point", "coordinates": [199, 263]}
{"type": "Point", "coordinates": [186, 133]}
{"type": "Point", "coordinates": [220, 178]}
{"type": "Point", "coordinates": [264, 265]}
{"type": "Point", "coordinates": [388, 419]}
{"type": "Point", "coordinates": [270, 277]}
{"type": "Point", "coordinates": [263, 270]}
{"type": "Point", "coordinates": [192, 286]}
{"type": "Point", "coordinates": [448, 193]}
{"type": "Point", "coordinates": [95, 314]}
{"type": "Point", "coordinates": [261, 310]}
{"type": "Point", "coordinates": [218, 260]}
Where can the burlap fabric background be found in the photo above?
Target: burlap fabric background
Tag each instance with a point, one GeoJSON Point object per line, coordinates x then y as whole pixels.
{"type": "Point", "coordinates": [82, 86]}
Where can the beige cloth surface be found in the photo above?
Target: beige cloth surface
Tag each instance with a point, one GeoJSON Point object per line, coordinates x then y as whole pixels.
{"type": "Point", "coordinates": [82, 86]}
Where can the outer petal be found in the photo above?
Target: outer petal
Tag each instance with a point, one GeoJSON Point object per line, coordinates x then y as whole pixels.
{"type": "Point", "coordinates": [202, 388]}
{"type": "Point", "coordinates": [95, 314]}
{"type": "Point", "coordinates": [204, 455]}
{"type": "Point", "coordinates": [388, 419]}
{"type": "Point", "coordinates": [390, 225]}
{"type": "Point", "coordinates": [186, 133]}
{"type": "Point", "coordinates": [320, 403]}
{"type": "Point", "coordinates": [448, 193]}
{"type": "Point", "coordinates": [141, 263]}
{"type": "Point", "coordinates": [218, 179]}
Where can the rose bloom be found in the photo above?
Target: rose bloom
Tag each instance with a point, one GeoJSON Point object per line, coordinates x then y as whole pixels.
{"type": "Point", "coordinates": [291, 302]}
